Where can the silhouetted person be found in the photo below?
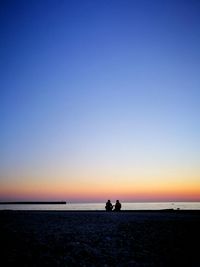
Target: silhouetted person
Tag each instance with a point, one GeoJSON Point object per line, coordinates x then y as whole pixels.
{"type": "Point", "coordinates": [108, 206]}
{"type": "Point", "coordinates": [117, 206]}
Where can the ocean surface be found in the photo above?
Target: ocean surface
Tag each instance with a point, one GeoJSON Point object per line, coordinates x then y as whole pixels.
{"type": "Point", "coordinates": [101, 206]}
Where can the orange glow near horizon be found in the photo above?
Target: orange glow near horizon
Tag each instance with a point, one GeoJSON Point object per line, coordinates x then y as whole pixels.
{"type": "Point", "coordinates": [101, 192]}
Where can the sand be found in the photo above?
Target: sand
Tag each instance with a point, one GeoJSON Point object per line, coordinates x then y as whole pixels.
{"type": "Point", "coordinates": [95, 238]}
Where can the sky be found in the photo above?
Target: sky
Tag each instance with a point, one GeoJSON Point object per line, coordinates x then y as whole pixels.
{"type": "Point", "coordinates": [100, 100]}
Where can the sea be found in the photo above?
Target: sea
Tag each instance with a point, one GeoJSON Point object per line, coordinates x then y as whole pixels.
{"type": "Point", "coordinates": [101, 206]}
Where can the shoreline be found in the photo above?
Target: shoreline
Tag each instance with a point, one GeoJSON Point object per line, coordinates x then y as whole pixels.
{"type": "Point", "coordinates": [175, 211]}
{"type": "Point", "coordinates": [33, 202]}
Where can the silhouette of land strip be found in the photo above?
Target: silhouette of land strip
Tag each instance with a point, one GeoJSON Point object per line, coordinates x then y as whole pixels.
{"type": "Point", "coordinates": [33, 202]}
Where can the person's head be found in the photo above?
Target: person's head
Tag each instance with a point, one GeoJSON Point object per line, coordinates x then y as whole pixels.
{"type": "Point", "coordinates": [117, 201]}
{"type": "Point", "coordinates": [108, 200]}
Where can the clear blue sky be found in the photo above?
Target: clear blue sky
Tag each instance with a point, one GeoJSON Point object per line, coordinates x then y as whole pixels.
{"type": "Point", "coordinates": [100, 86]}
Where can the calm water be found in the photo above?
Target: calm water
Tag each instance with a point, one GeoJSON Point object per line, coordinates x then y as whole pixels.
{"type": "Point", "coordinates": [100, 206]}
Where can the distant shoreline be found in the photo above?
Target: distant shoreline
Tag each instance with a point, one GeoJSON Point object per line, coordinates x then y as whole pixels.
{"type": "Point", "coordinates": [32, 202]}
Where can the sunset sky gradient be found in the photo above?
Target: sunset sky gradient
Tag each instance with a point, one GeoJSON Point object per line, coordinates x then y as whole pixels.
{"type": "Point", "coordinates": [100, 100]}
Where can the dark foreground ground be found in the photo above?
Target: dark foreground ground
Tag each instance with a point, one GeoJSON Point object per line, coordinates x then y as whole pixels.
{"type": "Point", "coordinates": [60, 238]}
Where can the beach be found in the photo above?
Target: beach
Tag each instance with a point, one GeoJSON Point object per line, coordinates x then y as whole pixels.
{"type": "Point", "coordinates": [99, 238]}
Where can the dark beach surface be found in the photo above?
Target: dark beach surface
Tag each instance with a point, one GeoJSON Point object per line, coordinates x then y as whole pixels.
{"type": "Point", "coordinates": [99, 238]}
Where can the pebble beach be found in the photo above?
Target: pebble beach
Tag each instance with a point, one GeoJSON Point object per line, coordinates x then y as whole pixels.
{"type": "Point", "coordinates": [99, 238]}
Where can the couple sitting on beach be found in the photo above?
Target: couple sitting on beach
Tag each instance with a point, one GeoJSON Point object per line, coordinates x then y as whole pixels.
{"type": "Point", "coordinates": [109, 206]}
